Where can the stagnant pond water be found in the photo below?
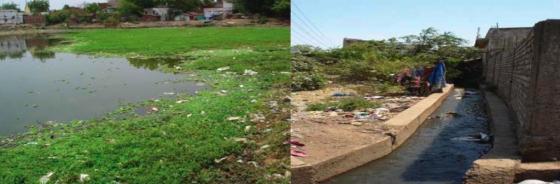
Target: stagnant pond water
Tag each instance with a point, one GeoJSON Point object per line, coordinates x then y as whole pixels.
{"type": "Point", "coordinates": [38, 85]}
{"type": "Point", "coordinates": [439, 152]}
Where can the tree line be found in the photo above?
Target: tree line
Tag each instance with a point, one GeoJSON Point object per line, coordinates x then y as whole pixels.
{"type": "Point", "coordinates": [269, 8]}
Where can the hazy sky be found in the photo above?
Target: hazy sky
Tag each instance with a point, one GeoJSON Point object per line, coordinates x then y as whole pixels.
{"type": "Point", "coordinates": [54, 4]}
{"type": "Point", "coordinates": [332, 20]}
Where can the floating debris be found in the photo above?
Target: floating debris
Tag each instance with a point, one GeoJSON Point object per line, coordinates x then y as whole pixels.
{"type": "Point", "coordinates": [169, 93]}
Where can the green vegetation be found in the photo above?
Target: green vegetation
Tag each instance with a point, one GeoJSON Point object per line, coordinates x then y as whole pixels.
{"type": "Point", "coordinates": [171, 41]}
{"type": "Point", "coordinates": [376, 63]}
{"type": "Point", "coordinates": [276, 8]}
{"type": "Point", "coordinates": [9, 6]}
{"type": "Point", "coordinates": [38, 6]}
{"type": "Point", "coordinates": [346, 104]}
{"type": "Point", "coordinates": [232, 133]}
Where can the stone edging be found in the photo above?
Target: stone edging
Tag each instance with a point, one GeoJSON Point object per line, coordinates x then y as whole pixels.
{"type": "Point", "coordinates": [405, 124]}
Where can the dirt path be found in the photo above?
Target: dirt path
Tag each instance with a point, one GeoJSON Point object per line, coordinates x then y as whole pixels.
{"type": "Point", "coordinates": [326, 133]}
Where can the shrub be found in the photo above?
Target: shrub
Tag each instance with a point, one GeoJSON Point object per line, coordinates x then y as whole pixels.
{"type": "Point", "coordinates": [356, 71]}
{"type": "Point", "coordinates": [303, 81]}
{"type": "Point", "coordinates": [346, 104]}
{"type": "Point", "coordinates": [111, 22]}
{"type": "Point", "coordinates": [262, 19]}
{"type": "Point", "coordinates": [302, 64]}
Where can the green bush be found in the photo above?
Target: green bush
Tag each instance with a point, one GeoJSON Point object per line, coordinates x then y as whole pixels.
{"type": "Point", "coordinates": [303, 81]}
{"type": "Point", "coordinates": [111, 21]}
{"type": "Point", "coordinates": [346, 104]}
{"type": "Point", "coordinates": [262, 20]}
{"type": "Point", "coordinates": [302, 64]}
{"type": "Point", "coordinates": [57, 17]}
{"type": "Point", "coordinates": [351, 70]}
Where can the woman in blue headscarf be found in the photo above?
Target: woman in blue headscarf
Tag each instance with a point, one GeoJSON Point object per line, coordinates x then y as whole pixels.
{"type": "Point", "coordinates": [437, 78]}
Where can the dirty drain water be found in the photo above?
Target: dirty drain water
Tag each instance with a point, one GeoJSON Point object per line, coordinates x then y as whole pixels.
{"type": "Point", "coordinates": [39, 85]}
{"type": "Point", "coordinates": [441, 151]}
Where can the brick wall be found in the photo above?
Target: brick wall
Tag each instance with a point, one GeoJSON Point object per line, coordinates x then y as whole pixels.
{"type": "Point", "coordinates": [525, 69]}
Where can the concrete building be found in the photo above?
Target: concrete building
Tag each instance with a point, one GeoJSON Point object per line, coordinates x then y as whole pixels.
{"type": "Point", "coordinates": [161, 12]}
{"type": "Point", "coordinates": [10, 17]}
{"type": "Point", "coordinates": [222, 8]}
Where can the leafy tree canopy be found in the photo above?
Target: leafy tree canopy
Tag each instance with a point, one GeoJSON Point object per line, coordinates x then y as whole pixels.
{"type": "Point", "coordinates": [38, 6]}
{"type": "Point", "coordinates": [10, 6]}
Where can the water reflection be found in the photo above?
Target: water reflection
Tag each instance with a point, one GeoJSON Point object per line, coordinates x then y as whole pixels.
{"type": "Point", "coordinates": [39, 85]}
{"type": "Point", "coordinates": [154, 63]}
{"type": "Point", "coordinates": [15, 47]}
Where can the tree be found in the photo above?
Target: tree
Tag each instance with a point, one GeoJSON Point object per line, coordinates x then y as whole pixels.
{"type": "Point", "coordinates": [128, 8]}
{"type": "Point", "coordinates": [38, 6]}
{"type": "Point", "coordinates": [185, 5]}
{"type": "Point", "coordinates": [282, 8]}
{"type": "Point", "coordinates": [10, 6]}
{"type": "Point", "coordinates": [261, 7]}
{"type": "Point", "coordinates": [92, 8]}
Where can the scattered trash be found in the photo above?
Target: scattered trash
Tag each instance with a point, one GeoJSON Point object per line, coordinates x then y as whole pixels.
{"type": "Point", "coordinates": [220, 160]}
{"type": "Point", "coordinates": [361, 116]}
{"type": "Point", "coordinates": [265, 146]}
{"type": "Point", "coordinates": [257, 118]}
{"type": "Point", "coordinates": [154, 109]}
{"type": "Point", "coordinates": [223, 69]}
{"type": "Point", "coordinates": [297, 153]}
{"type": "Point", "coordinates": [45, 179]}
{"type": "Point", "coordinates": [84, 178]}
{"type": "Point", "coordinates": [254, 163]}
{"type": "Point", "coordinates": [373, 97]}
{"type": "Point", "coordinates": [454, 114]}
{"type": "Point", "coordinates": [180, 101]}
{"type": "Point", "coordinates": [471, 93]}
{"type": "Point", "coordinates": [480, 138]}
{"type": "Point", "coordinates": [234, 118]}
{"type": "Point", "coordinates": [249, 72]}
{"type": "Point", "coordinates": [341, 94]}
{"type": "Point", "coordinates": [243, 140]}
{"type": "Point", "coordinates": [247, 128]}
{"type": "Point", "coordinates": [296, 143]}
{"type": "Point", "coordinates": [534, 181]}
{"type": "Point", "coordinates": [357, 123]}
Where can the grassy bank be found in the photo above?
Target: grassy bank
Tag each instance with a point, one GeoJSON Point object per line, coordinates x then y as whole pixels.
{"type": "Point", "coordinates": [233, 133]}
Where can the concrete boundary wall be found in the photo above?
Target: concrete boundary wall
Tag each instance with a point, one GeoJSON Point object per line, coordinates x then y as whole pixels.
{"type": "Point", "coordinates": [502, 164]}
{"type": "Point", "coordinates": [523, 66]}
{"type": "Point", "coordinates": [405, 124]}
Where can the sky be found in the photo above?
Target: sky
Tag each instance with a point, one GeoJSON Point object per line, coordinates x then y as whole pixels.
{"type": "Point", "coordinates": [54, 4]}
{"type": "Point", "coordinates": [325, 23]}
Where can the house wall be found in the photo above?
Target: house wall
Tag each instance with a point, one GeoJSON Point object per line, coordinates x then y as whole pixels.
{"type": "Point", "coordinates": [11, 17]}
{"type": "Point", "coordinates": [524, 66]}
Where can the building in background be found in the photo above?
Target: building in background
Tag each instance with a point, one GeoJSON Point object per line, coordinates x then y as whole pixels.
{"type": "Point", "coordinates": [223, 8]}
{"type": "Point", "coordinates": [10, 17]}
